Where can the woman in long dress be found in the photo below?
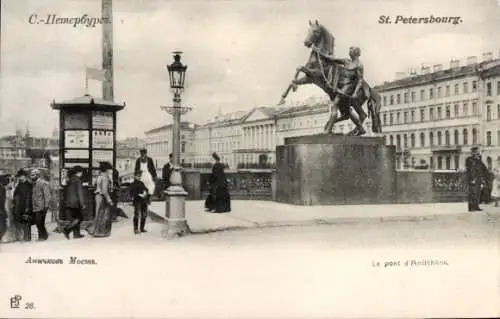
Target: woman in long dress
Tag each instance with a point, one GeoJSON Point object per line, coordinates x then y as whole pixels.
{"type": "Point", "coordinates": [104, 185]}
{"type": "Point", "coordinates": [218, 201]}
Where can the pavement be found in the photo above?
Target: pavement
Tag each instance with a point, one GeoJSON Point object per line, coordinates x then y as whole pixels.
{"type": "Point", "coordinates": [263, 214]}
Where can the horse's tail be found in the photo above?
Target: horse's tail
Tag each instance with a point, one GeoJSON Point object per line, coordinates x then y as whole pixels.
{"type": "Point", "coordinates": [374, 105]}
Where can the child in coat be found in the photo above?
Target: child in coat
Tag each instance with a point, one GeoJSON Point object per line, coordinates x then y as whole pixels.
{"type": "Point", "coordinates": [139, 194]}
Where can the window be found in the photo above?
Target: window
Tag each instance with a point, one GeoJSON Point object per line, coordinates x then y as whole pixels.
{"type": "Point", "coordinates": [498, 138]}
{"type": "Point", "coordinates": [466, 87]}
{"type": "Point", "coordinates": [466, 136]}
{"type": "Point", "coordinates": [391, 119]}
{"type": "Point", "coordinates": [440, 162]}
{"type": "Point", "coordinates": [431, 161]}
{"type": "Point", "coordinates": [440, 113]}
{"type": "Point", "coordinates": [475, 111]}
{"type": "Point", "coordinates": [488, 138]}
{"type": "Point", "coordinates": [385, 100]}
{"type": "Point", "coordinates": [448, 162]}
{"type": "Point", "coordinates": [488, 113]}
{"type": "Point", "coordinates": [456, 111]}
{"type": "Point", "coordinates": [392, 100]}
{"type": "Point", "coordinates": [474, 136]}
{"type": "Point", "coordinates": [398, 99]}
{"type": "Point", "coordinates": [406, 117]}
{"type": "Point", "coordinates": [447, 90]}
{"type": "Point", "coordinates": [474, 86]}
{"type": "Point", "coordinates": [422, 95]}
{"type": "Point", "coordinates": [398, 118]}
{"type": "Point", "coordinates": [465, 109]}
{"type": "Point", "coordinates": [447, 138]}
{"type": "Point", "coordinates": [488, 89]}
{"type": "Point", "coordinates": [413, 97]}
{"type": "Point", "coordinates": [431, 93]}
{"type": "Point", "coordinates": [385, 119]}
{"type": "Point", "coordinates": [405, 97]}
{"type": "Point", "coordinates": [398, 141]}
{"type": "Point", "coordinates": [422, 140]}
{"type": "Point", "coordinates": [440, 138]}
{"type": "Point", "coordinates": [457, 89]}
{"type": "Point", "coordinates": [498, 111]}
{"type": "Point", "coordinates": [392, 140]}
{"type": "Point", "coordinates": [457, 162]}
{"type": "Point", "coordinates": [405, 140]}
{"type": "Point", "coordinates": [448, 112]}
{"type": "Point", "coordinates": [455, 137]}
{"type": "Point", "coordinates": [431, 139]}
{"type": "Point", "coordinates": [440, 92]}
{"type": "Point", "coordinates": [431, 114]}
{"type": "Point", "coordinates": [412, 119]}
{"type": "Point", "coordinates": [422, 115]}
{"type": "Point", "coordinates": [412, 140]}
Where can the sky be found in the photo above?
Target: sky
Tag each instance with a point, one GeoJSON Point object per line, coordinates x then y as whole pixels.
{"type": "Point", "coordinates": [240, 54]}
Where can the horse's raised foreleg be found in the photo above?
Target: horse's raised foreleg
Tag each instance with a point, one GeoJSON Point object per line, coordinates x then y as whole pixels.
{"type": "Point", "coordinates": [293, 84]}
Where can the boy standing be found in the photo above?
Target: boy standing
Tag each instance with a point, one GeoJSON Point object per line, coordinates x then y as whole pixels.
{"type": "Point", "coordinates": [139, 193]}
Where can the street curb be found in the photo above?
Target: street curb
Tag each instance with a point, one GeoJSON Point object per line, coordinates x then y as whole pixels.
{"type": "Point", "coordinates": [319, 221]}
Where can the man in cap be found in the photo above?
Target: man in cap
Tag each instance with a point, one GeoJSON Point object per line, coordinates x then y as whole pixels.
{"type": "Point", "coordinates": [145, 164]}
{"type": "Point", "coordinates": [23, 205]}
{"type": "Point", "coordinates": [74, 202]}
{"type": "Point", "coordinates": [139, 194]}
{"type": "Point", "coordinates": [41, 203]}
{"type": "Point", "coordinates": [476, 174]}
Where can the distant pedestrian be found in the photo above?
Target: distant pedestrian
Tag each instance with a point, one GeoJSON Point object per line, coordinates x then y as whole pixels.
{"type": "Point", "coordinates": [74, 202]}
{"type": "Point", "coordinates": [104, 185]}
{"type": "Point", "coordinates": [23, 206]}
{"type": "Point", "coordinates": [476, 175]}
{"type": "Point", "coordinates": [139, 193]}
{"type": "Point", "coordinates": [495, 192]}
{"type": "Point", "coordinates": [219, 200]}
{"type": "Point", "coordinates": [145, 164]}
{"type": "Point", "coordinates": [3, 212]}
{"type": "Point", "coordinates": [166, 172]}
{"type": "Point", "coordinates": [41, 203]}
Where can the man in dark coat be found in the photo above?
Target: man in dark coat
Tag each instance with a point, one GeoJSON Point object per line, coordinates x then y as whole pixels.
{"type": "Point", "coordinates": [139, 194]}
{"type": "Point", "coordinates": [166, 172]}
{"type": "Point", "coordinates": [23, 207]}
{"type": "Point", "coordinates": [476, 175]}
{"type": "Point", "coordinates": [74, 202]}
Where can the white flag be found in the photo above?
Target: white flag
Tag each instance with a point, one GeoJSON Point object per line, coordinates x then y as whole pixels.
{"type": "Point", "coordinates": [96, 74]}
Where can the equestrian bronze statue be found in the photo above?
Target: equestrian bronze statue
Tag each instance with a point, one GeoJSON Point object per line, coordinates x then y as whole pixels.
{"type": "Point", "coordinates": [341, 79]}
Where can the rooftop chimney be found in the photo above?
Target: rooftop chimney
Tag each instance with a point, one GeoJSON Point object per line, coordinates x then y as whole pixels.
{"type": "Point", "coordinates": [454, 64]}
{"type": "Point", "coordinates": [400, 75]}
{"type": "Point", "coordinates": [438, 67]}
{"type": "Point", "coordinates": [471, 60]}
{"type": "Point", "coordinates": [487, 56]}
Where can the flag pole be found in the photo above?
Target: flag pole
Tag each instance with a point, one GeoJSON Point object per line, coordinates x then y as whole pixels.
{"type": "Point", "coordinates": [86, 82]}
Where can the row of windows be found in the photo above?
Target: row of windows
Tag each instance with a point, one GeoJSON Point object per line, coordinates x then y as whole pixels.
{"type": "Point", "coordinates": [431, 114]}
{"type": "Point", "coordinates": [411, 97]}
{"type": "Point", "coordinates": [435, 138]}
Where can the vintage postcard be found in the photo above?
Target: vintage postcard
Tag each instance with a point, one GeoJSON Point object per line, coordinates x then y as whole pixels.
{"type": "Point", "coordinates": [250, 159]}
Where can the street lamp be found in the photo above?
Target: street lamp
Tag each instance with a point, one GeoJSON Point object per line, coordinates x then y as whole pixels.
{"type": "Point", "coordinates": [176, 195]}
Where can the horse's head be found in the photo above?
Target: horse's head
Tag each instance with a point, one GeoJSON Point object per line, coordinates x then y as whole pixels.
{"type": "Point", "coordinates": [313, 34]}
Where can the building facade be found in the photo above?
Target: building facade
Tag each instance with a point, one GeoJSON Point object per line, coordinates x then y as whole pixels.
{"type": "Point", "coordinates": [435, 117]}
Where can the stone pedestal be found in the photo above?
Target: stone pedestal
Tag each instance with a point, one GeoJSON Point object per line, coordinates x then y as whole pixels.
{"type": "Point", "coordinates": [335, 169]}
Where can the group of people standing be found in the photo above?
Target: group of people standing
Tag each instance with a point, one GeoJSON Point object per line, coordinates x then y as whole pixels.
{"type": "Point", "coordinates": [26, 200]}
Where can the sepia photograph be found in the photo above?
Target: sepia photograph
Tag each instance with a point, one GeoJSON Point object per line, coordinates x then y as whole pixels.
{"type": "Point", "coordinates": [249, 159]}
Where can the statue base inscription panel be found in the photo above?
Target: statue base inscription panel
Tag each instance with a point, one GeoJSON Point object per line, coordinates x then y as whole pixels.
{"type": "Point", "coordinates": [335, 169]}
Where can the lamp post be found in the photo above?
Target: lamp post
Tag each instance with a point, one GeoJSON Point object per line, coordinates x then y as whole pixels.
{"type": "Point", "coordinates": [176, 224]}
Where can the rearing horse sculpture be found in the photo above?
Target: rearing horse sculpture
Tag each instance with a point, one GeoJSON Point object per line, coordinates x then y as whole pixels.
{"type": "Point", "coordinates": [324, 71]}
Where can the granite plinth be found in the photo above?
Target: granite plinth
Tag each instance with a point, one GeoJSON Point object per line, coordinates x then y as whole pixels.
{"type": "Point", "coordinates": [333, 169]}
